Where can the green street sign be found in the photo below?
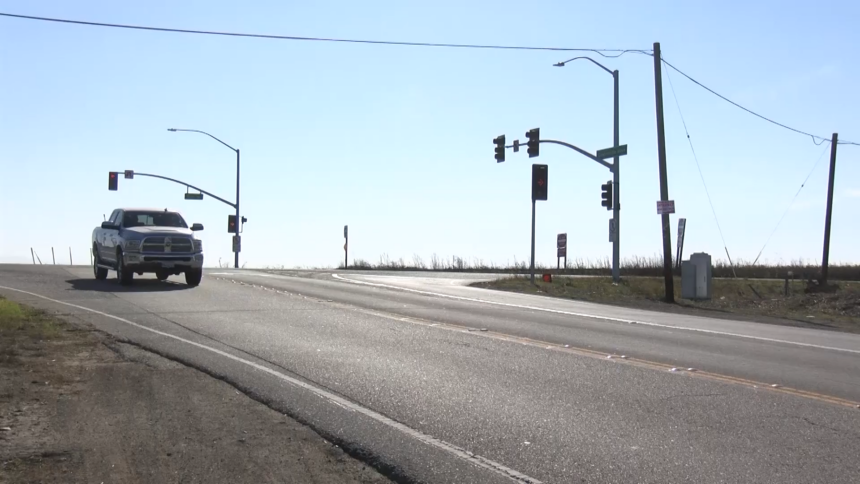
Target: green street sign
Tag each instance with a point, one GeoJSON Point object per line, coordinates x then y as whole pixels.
{"type": "Point", "coordinates": [194, 196]}
{"type": "Point", "coordinates": [612, 152]}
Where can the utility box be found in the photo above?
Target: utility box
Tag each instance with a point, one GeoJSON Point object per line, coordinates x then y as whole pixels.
{"type": "Point", "coordinates": [696, 276]}
{"type": "Point", "coordinates": [688, 280]}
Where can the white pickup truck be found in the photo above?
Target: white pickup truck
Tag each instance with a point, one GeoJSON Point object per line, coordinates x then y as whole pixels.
{"type": "Point", "coordinates": [147, 240]}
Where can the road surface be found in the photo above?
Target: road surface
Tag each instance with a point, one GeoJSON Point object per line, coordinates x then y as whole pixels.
{"type": "Point", "coordinates": [432, 381]}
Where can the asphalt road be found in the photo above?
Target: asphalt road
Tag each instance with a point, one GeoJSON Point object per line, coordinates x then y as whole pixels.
{"type": "Point", "coordinates": [432, 381]}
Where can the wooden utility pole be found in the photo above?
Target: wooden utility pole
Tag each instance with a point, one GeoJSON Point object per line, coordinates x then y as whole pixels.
{"type": "Point", "coordinates": [664, 184]}
{"type": "Point", "coordinates": [825, 259]}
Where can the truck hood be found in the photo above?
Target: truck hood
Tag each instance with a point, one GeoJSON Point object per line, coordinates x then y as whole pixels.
{"type": "Point", "coordinates": [156, 231]}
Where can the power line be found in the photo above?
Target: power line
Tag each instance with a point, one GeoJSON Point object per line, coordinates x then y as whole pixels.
{"type": "Point", "coordinates": [815, 139]}
{"type": "Point", "coordinates": [612, 53]}
{"type": "Point", "coordinates": [701, 175]}
{"type": "Point", "coordinates": [791, 204]}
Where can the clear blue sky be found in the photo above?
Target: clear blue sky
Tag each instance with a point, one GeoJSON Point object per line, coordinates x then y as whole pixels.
{"type": "Point", "coordinates": [397, 141]}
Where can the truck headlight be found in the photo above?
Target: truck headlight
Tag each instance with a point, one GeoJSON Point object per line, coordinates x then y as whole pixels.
{"type": "Point", "coordinates": [132, 245]}
{"type": "Point", "coordinates": [198, 245]}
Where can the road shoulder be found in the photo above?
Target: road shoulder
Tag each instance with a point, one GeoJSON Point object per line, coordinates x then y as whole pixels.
{"type": "Point", "coordinates": [79, 406]}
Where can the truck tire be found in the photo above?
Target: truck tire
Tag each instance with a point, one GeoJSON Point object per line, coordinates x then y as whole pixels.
{"type": "Point", "coordinates": [123, 275]}
{"type": "Point", "coordinates": [99, 272]}
{"type": "Point", "coordinates": [162, 275]}
{"type": "Point", "coordinates": [193, 277]}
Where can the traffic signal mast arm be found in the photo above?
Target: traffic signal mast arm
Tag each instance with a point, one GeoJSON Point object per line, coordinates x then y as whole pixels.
{"type": "Point", "coordinates": [216, 197]}
{"type": "Point", "coordinates": [568, 145]}
{"type": "Point", "coordinates": [578, 150]}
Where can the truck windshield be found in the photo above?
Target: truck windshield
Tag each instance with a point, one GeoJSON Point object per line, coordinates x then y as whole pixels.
{"type": "Point", "coordinates": [153, 219]}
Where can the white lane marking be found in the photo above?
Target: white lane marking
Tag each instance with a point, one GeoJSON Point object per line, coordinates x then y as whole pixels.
{"type": "Point", "coordinates": [593, 316]}
{"type": "Point", "coordinates": [342, 402]}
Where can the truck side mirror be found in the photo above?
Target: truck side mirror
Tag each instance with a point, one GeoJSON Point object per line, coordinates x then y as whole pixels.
{"type": "Point", "coordinates": [109, 226]}
{"type": "Point", "coordinates": [196, 227]}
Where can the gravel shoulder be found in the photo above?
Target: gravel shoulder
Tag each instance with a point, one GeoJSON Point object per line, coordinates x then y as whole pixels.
{"type": "Point", "coordinates": [78, 406]}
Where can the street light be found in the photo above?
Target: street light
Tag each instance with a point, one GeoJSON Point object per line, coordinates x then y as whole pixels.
{"type": "Point", "coordinates": [174, 130]}
{"type": "Point", "coordinates": [616, 215]}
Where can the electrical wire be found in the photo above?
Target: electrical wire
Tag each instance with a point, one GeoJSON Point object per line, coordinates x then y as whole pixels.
{"type": "Point", "coordinates": [701, 175]}
{"type": "Point", "coordinates": [791, 204]}
{"type": "Point", "coordinates": [815, 139]}
{"type": "Point", "coordinates": [609, 53]}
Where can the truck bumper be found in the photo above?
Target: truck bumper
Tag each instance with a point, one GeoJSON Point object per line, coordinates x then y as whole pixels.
{"type": "Point", "coordinates": [137, 262]}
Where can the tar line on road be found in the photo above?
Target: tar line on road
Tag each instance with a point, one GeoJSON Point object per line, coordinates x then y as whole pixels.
{"type": "Point", "coordinates": [452, 449]}
{"type": "Point", "coordinates": [592, 316]}
{"type": "Point", "coordinates": [596, 354]}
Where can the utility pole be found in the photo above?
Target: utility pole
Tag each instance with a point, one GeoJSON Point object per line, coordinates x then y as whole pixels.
{"type": "Point", "coordinates": [238, 219]}
{"type": "Point", "coordinates": [664, 184]}
{"type": "Point", "coordinates": [616, 204]}
{"type": "Point", "coordinates": [825, 259]}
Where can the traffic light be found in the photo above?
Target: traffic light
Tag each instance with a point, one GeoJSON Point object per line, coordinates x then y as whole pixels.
{"type": "Point", "coordinates": [231, 224]}
{"type": "Point", "coordinates": [534, 137]}
{"type": "Point", "coordinates": [113, 180]}
{"type": "Point", "coordinates": [540, 179]}
{"type": "Point", "coordinates": [606, 195]}
{"type": "Point", "coordinates": [500, 148]}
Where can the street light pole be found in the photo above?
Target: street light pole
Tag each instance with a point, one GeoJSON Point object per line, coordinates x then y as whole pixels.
{"type": "Point", "coordinates": [616, 175]}
{"type": "Point", "coordinates": [238, 219]}
{"type": "Point", "coordinates": [616, 182]}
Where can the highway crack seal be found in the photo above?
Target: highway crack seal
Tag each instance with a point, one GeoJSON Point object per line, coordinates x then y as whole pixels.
{"type": "Point", "coordinates": [567, 348]}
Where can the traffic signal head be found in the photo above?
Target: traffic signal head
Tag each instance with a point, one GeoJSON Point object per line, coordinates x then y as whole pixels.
{"type": "Point", "coordinates": [499, 141]}
{"type": "Point", "coordinates": [534, 138]}
{"type": "Point", "coordinates": [113, 180]}
{"type": "Point", "coordinates": [231, 224]}
{"type": "Point", "coordinates": [540, 180]}
{"type": "Point", "coordinates": [606, 195]}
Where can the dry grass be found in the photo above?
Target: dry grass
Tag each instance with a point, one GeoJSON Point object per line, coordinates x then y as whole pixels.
{"type": "Point", "coordinates": [17, 320]}
{"type": "Point", "coordinates": [633, 266]}
{"type": "Point", "coordinates": [756, 299]}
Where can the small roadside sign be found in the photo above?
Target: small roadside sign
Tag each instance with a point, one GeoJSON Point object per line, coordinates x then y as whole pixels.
{"type": "Point", "coordinates": [611, 152]}
{"type": "Point", "coordinates": [129, 174]}
{"type": "Point", "coordinates": [561, 252]}
{"type": "Point", "coordinates": [664, 207]}
{"type": "Point", "coordinates": [561, 241]}
{"type": "Point", "coordinates": [237, 243]}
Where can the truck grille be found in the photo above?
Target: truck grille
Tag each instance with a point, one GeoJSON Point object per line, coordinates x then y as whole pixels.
{"type": "Point", "coordinates": [167, 245]}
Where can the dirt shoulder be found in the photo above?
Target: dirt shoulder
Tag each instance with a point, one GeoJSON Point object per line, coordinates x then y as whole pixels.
{"type": "Point", "coordinates": [77, 406]}
{"type": "Point", "coordinates": [754, 300]}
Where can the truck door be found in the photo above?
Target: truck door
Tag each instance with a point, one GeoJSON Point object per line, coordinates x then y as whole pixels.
{"type": "Point", "coordinates": [107, 244]}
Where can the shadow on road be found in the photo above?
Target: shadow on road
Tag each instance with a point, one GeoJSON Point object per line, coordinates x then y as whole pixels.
{"type": "Point", "coordinates": [139, 285]}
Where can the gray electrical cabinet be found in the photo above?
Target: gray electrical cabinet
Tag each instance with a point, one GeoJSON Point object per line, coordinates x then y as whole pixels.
{"type": "Point", "coordinates": [696, 277]}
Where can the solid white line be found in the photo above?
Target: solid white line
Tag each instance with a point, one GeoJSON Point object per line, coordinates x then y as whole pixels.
{"type": "Point", "coordinates": [593, 316]}
{"type": "Point", "coordinates": [335, 399]}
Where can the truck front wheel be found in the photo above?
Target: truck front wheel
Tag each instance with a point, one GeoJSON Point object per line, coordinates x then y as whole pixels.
{"type": "Point", "coordinates": [193, 277]}
{"type": "Point", "coordinates": [123, 275]}
{"type": "Point", "coordinates": [99, 272]}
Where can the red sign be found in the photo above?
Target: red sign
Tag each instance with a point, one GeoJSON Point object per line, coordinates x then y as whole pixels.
{"type": "Point", "coordinates": [664, 207]}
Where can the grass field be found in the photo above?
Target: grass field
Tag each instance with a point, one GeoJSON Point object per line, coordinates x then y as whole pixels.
{"type": "Point", "coordinates": [752, 299]}
{"type": "Point", "coordinates": [634, 266]}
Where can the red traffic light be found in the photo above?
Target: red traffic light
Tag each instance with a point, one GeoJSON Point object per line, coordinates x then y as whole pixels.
{"type": "Point", "coordinates": [113, 181]}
